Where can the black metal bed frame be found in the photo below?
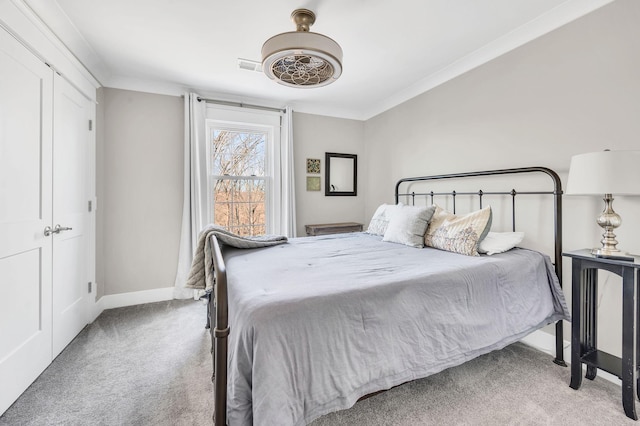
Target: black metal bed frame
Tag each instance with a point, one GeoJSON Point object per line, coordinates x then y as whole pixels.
{"type": "Point", "coordinates": [557, 215]}
{"type": "Point", "coordinates": [218, 305]}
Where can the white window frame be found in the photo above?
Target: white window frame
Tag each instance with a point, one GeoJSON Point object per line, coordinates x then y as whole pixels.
{"type": "Point", "coordinates": [238, 120]}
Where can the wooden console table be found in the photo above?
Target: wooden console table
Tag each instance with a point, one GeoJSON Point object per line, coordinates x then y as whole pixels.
{"type": "Point", "coordinates": [584, 313]}
{"type": "Point", "coordinates": [332, 228]}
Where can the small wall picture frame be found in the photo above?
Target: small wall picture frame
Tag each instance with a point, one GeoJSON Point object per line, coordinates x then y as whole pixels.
{"type": "Point", "coordinates": [313, 183]}
{"type": "Point", "coordinates": [313, 165]}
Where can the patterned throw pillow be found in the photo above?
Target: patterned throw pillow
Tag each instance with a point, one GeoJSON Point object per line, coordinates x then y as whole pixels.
{"type": "Point", "coordinates": [458, 234]}
{"type": "Point", "coordinates": [380, 219]}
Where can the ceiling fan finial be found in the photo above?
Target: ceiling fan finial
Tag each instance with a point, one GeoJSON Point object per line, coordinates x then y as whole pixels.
{"type": "Point", "coordinates": [303, 18]}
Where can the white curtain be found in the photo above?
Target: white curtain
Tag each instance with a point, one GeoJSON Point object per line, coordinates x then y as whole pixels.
{"type": "Point", "coordinates": [288, 190]}
{"type": "Point", "coordinates": [194, 209]}
{"type": "Point", "coordinates": [195, 189]}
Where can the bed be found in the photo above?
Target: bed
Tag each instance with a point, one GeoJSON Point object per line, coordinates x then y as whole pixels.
{"type": "Point", "coordinates": [309, 327]}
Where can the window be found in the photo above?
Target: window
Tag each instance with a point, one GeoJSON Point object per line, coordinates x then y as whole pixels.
{"type": "Point", "coordinates": [244, 185]}
{"type": "Point", "coordinates": [239, 189]}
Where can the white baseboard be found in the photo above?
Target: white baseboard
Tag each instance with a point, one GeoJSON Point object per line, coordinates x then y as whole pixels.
{"type": "Point", "coordinates": [546, 343]}
{"type": "Point", "coordinates": [120, 300]}
{"type": "Point", "coordinates": [95, 310]}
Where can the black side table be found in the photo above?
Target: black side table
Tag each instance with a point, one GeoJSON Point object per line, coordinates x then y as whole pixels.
{"type": "Point", "coordinates": [584, 348]}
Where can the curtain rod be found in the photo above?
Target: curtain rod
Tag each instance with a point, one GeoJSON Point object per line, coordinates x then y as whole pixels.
{"type": "Point", "coordinates": [240, 104]}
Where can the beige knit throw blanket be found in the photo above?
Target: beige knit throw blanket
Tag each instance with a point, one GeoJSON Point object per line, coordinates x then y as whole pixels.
{"type": "Point", "coordinates": [201, 276]}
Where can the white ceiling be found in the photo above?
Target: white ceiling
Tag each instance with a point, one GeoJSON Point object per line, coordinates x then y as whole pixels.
{"type": "Point", "coordinates": [393, 50]}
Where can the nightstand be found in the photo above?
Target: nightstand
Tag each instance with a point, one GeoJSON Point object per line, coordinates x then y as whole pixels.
{"type": "Point", "coordinates": [332, 228]}
{"type": "Point", "coordinates": [584, 348]}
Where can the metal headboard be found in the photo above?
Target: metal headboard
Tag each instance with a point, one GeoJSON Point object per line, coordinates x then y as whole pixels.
{"type": "Point", "coordinates": [557, 213]}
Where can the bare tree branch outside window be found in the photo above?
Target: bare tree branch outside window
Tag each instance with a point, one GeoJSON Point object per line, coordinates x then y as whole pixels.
{"type": "Point", "coordinates": [238, 166]}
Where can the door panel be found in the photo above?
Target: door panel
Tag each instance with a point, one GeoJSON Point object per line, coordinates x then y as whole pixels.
{"type": "Point", "coordinates": [20, 319]}
{"type": "Point", "coordinates": [71, 141]}
{"type": "Point", "coordinates": [25, 209]}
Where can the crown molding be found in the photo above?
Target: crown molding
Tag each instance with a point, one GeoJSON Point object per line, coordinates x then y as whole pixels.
{"type": "Point", "coordinates": [174, 89]}
{"type": "Point", "coordinates": [58, 28]}
{"type": "Point", "coordinates": [61, 30]}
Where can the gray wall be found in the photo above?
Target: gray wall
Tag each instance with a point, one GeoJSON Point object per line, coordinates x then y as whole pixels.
{"type": "Point", "coordinates": [140, 188]}
{"type": "Point", "coordinates": [572, 91]}
{"type": "Point", "coordinates": [139, 185]}
{"type": "Point", "coordinates": [313, 135]}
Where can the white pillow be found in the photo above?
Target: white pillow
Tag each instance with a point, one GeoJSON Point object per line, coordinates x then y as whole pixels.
{"type": "Point", "coordinates": [499, 242]}
{"type": "Point", "coordinates": [408, 225]}
{"type": "Point", "coordinates": [381, 218]}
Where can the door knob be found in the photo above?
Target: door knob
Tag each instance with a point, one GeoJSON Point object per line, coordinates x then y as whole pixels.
{"type": "Point", "coordinates": [48, 231]}
{"type": "Point", "coordinates": [59, 229]}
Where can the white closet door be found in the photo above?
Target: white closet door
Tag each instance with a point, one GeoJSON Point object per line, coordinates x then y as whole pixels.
{"type": "Point", "coordinates": [25, 210]}
{"type": "Point", "coordinates": [71, 180]}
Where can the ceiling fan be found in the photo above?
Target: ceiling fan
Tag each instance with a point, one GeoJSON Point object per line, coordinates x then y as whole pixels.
{"type": "Point", "coordinates": [301, 58]}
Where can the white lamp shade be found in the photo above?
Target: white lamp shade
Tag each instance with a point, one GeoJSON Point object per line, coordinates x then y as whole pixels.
{"type": "Point", "coordinates": [605, 172]}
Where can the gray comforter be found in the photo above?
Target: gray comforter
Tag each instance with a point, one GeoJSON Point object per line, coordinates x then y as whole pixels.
{"type": "Point", "coordinates": [319, 322]}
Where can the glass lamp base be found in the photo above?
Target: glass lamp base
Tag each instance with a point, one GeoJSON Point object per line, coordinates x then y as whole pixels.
{"type": "Point", "coordinates": [611, 254]}
{"type": "Point", "coordinates": [602, 252]}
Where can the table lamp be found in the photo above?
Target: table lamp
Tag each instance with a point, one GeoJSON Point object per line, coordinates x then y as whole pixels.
{"type": "Point", "coordinates": [606, 173]}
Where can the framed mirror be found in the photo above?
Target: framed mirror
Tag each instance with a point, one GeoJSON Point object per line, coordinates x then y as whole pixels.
{"type": "Point", "coordinates": [341, 171]}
